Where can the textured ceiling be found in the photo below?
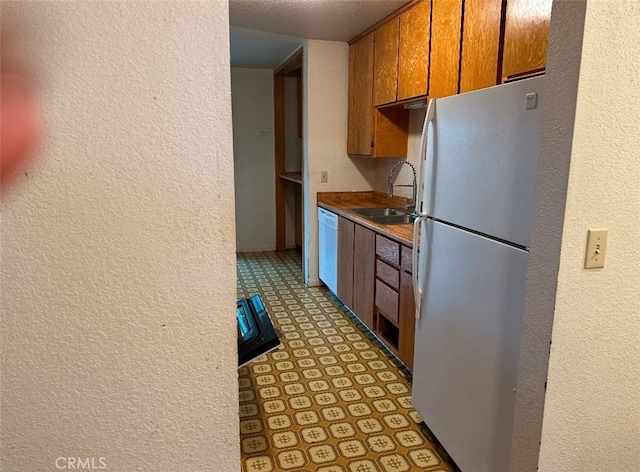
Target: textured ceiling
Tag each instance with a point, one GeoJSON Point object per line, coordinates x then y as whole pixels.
{"type": "Point", "coordinates": [258, 49]}
{"type": "Point", "coordinates": [290, 22]}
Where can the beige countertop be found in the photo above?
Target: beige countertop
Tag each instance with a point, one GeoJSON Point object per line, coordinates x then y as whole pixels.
{"type": "Point", "coordinates": [342, 202]}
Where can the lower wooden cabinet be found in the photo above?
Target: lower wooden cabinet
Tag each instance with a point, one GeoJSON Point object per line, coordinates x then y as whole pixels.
{"type": "Point", "coordinates": [375, 282]}
{"type": "Point", "coordinates": [407, 319]}
{"type": "Point", "coordinates": [387, 301]}
{"type": "Point", "coordinates": [345, 261]}
{"type": "Point", "coordinates": [364, 255]}
{"type": "Point", "coordinates": [395, 305]}
{"type": "Point", "coordinates": [356, 269]}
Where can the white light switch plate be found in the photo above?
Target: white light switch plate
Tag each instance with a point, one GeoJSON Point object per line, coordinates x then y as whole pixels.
{"type": "Point", "coordinates": [596, 248]}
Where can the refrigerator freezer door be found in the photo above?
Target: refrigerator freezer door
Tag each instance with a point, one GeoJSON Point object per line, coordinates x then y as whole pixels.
{"type": "Point", "coordinates": [466, 351]}
{"type": "Point", "coordinates": [484, 152]}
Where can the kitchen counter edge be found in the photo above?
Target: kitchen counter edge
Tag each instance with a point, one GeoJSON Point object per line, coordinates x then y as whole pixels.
{"type": "Point", "coordinates": [342, 202]}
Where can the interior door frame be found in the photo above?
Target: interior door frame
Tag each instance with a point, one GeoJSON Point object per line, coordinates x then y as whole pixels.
{"type": "Point", "coordinates": [292, 67]}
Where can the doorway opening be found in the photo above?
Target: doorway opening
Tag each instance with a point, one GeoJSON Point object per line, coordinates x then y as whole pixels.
{"type": "Point", "coordinates": [288, 137]}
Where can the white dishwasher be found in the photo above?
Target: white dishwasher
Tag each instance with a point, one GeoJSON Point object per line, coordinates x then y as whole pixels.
{"type": "Point", "coordinates": [328, 248]}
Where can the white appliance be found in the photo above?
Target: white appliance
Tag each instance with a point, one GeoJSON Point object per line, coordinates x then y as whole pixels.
{"type": "Point", "coordinates": [328, 248]}
{"type": "Point", "coordinates": [473, 233]}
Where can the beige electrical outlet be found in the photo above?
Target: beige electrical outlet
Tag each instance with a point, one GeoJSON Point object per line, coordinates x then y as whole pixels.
{"type": "Point", "coordinates": [596, 248]}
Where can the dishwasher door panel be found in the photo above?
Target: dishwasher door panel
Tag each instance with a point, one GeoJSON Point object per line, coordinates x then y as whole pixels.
{"type": "Point", "coordinates": [328, 248]}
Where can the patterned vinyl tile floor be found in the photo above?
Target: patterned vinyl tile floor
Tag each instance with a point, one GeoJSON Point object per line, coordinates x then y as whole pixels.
{"type": "Point", "coordinates": [331, 398]}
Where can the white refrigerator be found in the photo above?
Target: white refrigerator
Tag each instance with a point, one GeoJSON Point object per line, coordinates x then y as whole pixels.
{"type": "Point", "coordinates": [471, 245]}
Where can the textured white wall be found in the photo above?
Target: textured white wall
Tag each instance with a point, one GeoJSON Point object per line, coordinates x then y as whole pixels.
{"type": "Point", "coordinates": [592, 408]}
{"type": "Point", "coordinates": [254, 159]}
{"type": "Point", "coordinates": [554, 156]}
{"type": "Point", "coordinates": [118, 274]}
{"type": "Point", "coordinates": [326, 75]}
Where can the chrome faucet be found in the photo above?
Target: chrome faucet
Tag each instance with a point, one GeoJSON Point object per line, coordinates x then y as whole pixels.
{"type": "Point", "coordinates": [408, 206]}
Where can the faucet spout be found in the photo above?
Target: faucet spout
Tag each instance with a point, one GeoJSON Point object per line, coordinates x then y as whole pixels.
{"type": "Point", "coordinates": [408, 206]}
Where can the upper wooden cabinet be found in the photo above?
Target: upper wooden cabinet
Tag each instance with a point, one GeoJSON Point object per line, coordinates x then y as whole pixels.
{"type": "Point", "coordinates": [390, 131]}
{"type": "Point", "coordinates": [401, 58]}
{"type": "Point", "coordinates": [371, 132]}
{"type": "Point", "coordinates": [446, 24]}
{"type": "Point", "coordinates": [413, 55]}
{"type": "Point", "coordinates": [360, 119]}
{"type": "Point", "coordinates": [526, 36]}
{"type": "Point", "coordinates": [437, 48]}
{"type": "Point", "coordinates": [480, 44]}
{"type": "Point", "coordinates": [385, 63]}
{"type": "Point", "coordinates": [525, 28]}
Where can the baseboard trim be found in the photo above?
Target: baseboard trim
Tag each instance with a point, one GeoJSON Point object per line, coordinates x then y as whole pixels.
{"type": "Point", "coordinates": [257, 249]}
{"type": "Point", "coordinates": [314, 282]}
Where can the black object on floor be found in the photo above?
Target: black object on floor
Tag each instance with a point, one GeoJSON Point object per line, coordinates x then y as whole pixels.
{"type": "Point", "coordinates": [256, 335]}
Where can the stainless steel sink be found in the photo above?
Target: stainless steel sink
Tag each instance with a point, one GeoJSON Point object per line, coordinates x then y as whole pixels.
{"type": "Point", "coordinates": [376, 212]}
{"type": "Point", "coordinates": [393, 219]}
{"type": "Point", "coordinates": [386, 216]}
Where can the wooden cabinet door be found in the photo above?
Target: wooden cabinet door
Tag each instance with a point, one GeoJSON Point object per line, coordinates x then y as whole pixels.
{"type": "Point", "coordinates": [446, 24]}
{"type": "Point", "coordinates": [407, 320]}
{"type": "Point", "coordinates": [385, 63]}
{"type": "Point", "coordinates": [364, 259]}
{"type": "Point", "coordinates": [413, 62]}
{"type": "Point", "coordinates": [526, 36]}
{"type": "Point", "coordinates": [345, 261]}
{"type": "Point", "coordinates": [480, 44]}
{"type": "Point", "coordinates": [386, 301]}
{"type": "Point", "coordinates": [360, 118]}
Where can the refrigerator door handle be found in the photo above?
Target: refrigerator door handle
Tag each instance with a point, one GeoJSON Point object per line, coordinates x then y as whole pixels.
{"type": "Point", "coordinates": [422, 209]}
{"type": "Point", "coordinates": [424, 138]}
{"type": "Point", "coordinates": [418, 279]}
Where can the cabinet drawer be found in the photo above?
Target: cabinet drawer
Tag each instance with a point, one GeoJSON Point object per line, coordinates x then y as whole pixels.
{"type": "Point", "coordinates": [388, 250]}
{"type": "Point", "coordinates": [389, 274]}
{"type": "Point", "coordinates": [407, 258]}
{"type": "Point", "coordinates": [387, 301]}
